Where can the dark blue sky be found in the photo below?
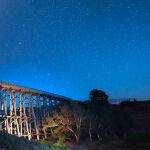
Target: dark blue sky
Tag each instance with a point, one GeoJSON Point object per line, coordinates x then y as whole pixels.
{"type": "Point", "coordinates": [71, 46]}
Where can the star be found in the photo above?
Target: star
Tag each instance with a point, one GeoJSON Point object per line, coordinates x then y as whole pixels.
{"type": "Point", "coordinates": [19, 43]}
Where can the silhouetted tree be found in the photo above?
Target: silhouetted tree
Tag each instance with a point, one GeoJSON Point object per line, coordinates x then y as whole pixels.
{"type": "Point", "coordinates": [98, 96]}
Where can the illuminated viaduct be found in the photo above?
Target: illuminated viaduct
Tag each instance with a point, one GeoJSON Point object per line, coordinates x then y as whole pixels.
{"type": "Point", "coordinates": [23, 109]}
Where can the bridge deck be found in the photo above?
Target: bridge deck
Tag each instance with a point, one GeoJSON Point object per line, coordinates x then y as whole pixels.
{"type": "Point", "coordinates": [9, 86]}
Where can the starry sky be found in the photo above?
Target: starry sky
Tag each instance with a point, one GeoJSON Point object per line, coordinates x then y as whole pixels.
{"type": "Point", "coordinates": [71, 46]}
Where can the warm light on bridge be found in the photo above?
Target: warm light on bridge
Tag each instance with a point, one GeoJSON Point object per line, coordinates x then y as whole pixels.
{"type": "Point", "coordinates": [23, 110]}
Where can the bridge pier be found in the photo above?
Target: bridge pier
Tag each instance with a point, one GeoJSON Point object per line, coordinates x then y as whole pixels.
{"type": "Point", "coordinates": [23, 110]}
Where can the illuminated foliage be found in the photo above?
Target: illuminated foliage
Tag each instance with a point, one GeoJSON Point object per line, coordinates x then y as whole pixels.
{"type": "Point", "coordinates": [70, 120]}
{"type": "Point", "coordinates": [67, 120]}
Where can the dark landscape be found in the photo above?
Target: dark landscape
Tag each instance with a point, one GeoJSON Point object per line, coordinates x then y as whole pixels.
{"type": "Point", "coordinates": [74, 74]}
{"type": "Point", "coordinates": [94, 124]}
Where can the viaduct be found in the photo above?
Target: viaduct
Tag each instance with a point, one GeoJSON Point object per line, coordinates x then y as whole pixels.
{"type": "Point", "coordinates": [23, 109]}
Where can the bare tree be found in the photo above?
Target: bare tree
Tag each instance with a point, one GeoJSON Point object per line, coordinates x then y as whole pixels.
{"type": "Point", "coordinates": [70, 120]}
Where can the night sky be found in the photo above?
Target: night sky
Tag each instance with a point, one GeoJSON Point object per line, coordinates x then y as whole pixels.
{"type": "Point", "coordinates": [71, 46]}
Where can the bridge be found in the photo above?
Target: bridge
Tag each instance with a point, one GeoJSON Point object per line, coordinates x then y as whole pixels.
{"type": "Point", "coordinates": [23, 109]}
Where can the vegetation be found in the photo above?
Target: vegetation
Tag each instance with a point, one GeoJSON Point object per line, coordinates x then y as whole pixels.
{"type": "Point", "coordinates": [91, 125]}
{"type": "Point", "coordinates": [66, 120]}
{"type": "Point", "coordinates": [81, 121]}
{"type": "Point", "coordinates": [11, 142]}
{"type": "Point", "coordinates": [98, 96]}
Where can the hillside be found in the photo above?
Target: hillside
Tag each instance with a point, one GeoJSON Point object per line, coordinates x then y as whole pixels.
{"type": "Point", "coordinates": [11, 142]}
{"type": "Point", "coordinates": [112, 127]}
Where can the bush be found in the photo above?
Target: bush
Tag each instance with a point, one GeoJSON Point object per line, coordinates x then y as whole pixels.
{"type": "Point", "coordinates": [138, 137]}
{"type": "Point", "coordinates": [58, 147]}
{"type": "Point", "coordinates": [11, 142]}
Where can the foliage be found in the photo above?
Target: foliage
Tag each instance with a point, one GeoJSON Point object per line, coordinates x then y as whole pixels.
{"type": "Point", "coordinates": [99, 96]}
{"type": "Point", "coordinates": [123, 122]}
{"type": "Point", "coordinates": [69, 120]}
{"type": "Point", "coordinates": [11, 142]}
{"type": "Point", "coordinates": [41, 141]}
{"type": "Point", "coordinates": [60, 145]}
{"type": "Point", "coordinates": [138, 137]}
{"type": "Point", "coordinates": [50, 123]}
{"type": "Point", "coordinates": [87, 120]}
{"type": "Point", "coordinates": [76, 120]}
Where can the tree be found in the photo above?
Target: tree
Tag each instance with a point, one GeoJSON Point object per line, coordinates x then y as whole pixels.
{"type": "Point", "coordinates": [98, 96]}
{"type": "Point", "coordinates": [68, 121]}
{"type": "Point", "coordinates": [96, 127]}
{"type": "Point", "coordinates": [50, 123]}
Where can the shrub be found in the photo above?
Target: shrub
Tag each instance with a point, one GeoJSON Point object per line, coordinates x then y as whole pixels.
{"type": "Point", "coordinates": [58, 147]}
{"type": "Point", "coordinates": [138, 137]}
